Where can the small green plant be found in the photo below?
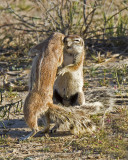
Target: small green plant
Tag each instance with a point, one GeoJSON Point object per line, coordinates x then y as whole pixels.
{"type": "Point", "coordinates": [10, 93]}
{"type": "Point", "coordinates": [110, 28]}
{"type": "Point", "coordinates": [105, 80]}
{"type": "Point", "coordinates": [120, 74]}
{"type": "Point", "coordinates": [93, 71]}
{"type": "Point", "coordinates": [86, 84]}
{"type": "Point", "coordinates": [121, 25]}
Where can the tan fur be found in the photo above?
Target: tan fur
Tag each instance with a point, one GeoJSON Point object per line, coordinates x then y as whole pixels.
{"type": "Point", "coordinates": [39, 100]}
{"type": "Point", "coordinates": [68, 87]}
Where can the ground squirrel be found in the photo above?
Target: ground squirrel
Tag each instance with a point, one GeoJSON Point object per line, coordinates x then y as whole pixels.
{"type": "Point", "coordinates": [39, 99]}
{"type": "Point", "coordinates": [68, 87]}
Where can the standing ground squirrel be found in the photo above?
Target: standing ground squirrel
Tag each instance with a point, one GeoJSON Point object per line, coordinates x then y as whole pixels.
{"type": "Point", "coordinates": [39, 99]}
{"type": "Point", "coordinates": [68, 87]}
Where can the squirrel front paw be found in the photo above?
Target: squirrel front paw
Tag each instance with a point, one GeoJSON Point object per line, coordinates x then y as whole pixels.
{"type": "Point", "coordinates": [62, 72]}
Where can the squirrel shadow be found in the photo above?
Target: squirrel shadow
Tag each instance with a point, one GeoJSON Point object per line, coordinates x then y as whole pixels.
{"type": "Point", "coordinates": [15, 128]}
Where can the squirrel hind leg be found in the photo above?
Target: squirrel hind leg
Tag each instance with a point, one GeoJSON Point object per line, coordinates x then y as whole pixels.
{"type": "Point", "coordinates": [30, 135]}
{"type": "Point", "coordinates": [32, 123]}
{"type": "Point", "coordinates": [77, 99]}
{"type": "Point", "coordinates": [80, 98]}
{"type": "Point", "coordinates": [46, 122]}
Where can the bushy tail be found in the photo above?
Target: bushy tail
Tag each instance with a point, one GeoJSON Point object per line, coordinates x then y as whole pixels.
{"type": "Point", "coordinates": [73, 119]}
{"type": "Point", "coordinates": [102, 98]}
{"type": "Point", "coordinates": [76, 118]}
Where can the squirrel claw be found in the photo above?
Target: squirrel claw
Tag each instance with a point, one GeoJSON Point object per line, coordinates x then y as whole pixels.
{"type": "Point", "coordinates": [61, 72]}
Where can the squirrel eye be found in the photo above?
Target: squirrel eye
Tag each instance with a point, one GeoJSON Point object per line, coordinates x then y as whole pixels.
{"type": "Point", "coordinates": [77, 40]}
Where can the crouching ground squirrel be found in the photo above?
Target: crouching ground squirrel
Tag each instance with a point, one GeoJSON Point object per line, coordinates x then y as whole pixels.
{"type": "Point", "coordinates": [68, 87]}
{"type": "Point", "coordinates": [39, 103]}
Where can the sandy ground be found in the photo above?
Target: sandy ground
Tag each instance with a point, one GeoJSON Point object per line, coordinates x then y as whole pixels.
{"type": "Point", "coordinates": [44, 146]}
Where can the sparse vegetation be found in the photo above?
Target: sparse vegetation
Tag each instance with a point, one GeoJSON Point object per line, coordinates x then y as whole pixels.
{"type": "Point", "coordinates": [104, 27]}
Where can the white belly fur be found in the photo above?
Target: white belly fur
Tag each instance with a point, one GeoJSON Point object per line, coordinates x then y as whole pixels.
{"type": "Point", "coordinates": [70, 83]}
